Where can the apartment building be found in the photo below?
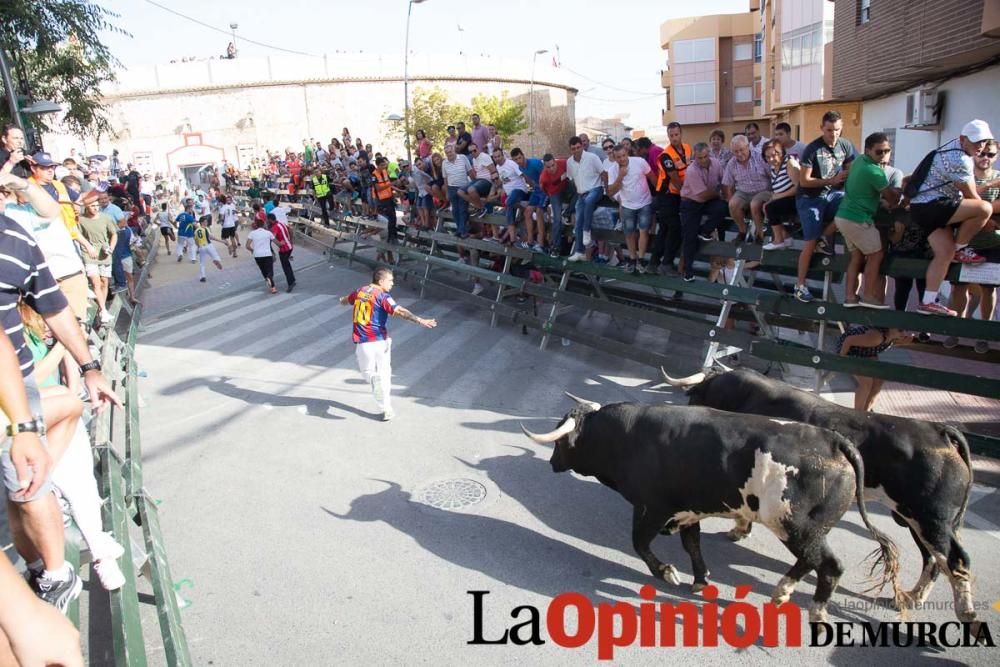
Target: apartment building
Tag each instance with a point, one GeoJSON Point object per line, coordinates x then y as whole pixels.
{"type": "Point", "coordinates": [713, 73]}
{"type": "Point", "coordinates": [798, 38]}
{"type": "Point", "coordinates": [922, 69]}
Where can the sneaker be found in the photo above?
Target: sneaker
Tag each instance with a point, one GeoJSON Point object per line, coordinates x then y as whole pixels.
{"type": "Point", "coordinates": [274, 290]}
{"type": "Point", "coordinates": [554, 253]}
{"type": "Point", "coordinates": [388, 415]}
{"type": "Point", "coordinates": [951, 342]}
{"type": "Point", "coordinates": [600, 259]}
{"type": "Point", "coordinates": [477, 289]}
{"type": "Point", "coordinates": [179, 258]}
{"type": "Point", "coordinates": [202, 280]}
{"type": "Point", "coordinates": [538, 248]}
{"type": "Point", "coordinates": [59, 593]}
{"type": "Point", "coordinates": [776, 246]}
{"type": "Point", "coordinates": [577, 257]}
{"type": "Point", "coordinates": [803, 294]}
{"type": "Point", "coordinates": [522, 245]}
{"type": "Point", "coordinates": [643, 268]}
{"type": "Point", "coordinates": [290, 287]}
{"type": "Point", "coordinates": [968, 256]}
{"type": "Point", "coordinates": [705, 237]}
{"type": "Point", "coordinates": [614, 261]}
{"type": "Point", "coordinates": [935, 308]}
{"type": "Point", "coordinates": [870, 303]}
{"type": "Point", "coordinates": [824, 248]}
{"type": "Point", "coordinates": [194, 261]}
{"type": "Point", "coordinates": [111, 576]}
{"type": "Point", "coordinates": [689, 278]}
{"type": "Point", "coordinates": [981, 347]}
{"type": "Point", "coordinates": [628, 267]}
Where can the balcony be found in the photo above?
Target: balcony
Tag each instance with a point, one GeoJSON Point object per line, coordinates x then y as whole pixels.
{"type": "Point", "coordinates": [665, 78]}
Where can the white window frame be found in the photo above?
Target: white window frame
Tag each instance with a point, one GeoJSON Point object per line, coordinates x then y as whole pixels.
{"type": "Point", "coordinates": [693, 50]}
{"type": "Point", "coordinates": [742, 94]}
{"type": "Point", "coordinates": [743, 51]}
{"type": "Point", "coordinates": [865, 12]}
{"type": "Point", "coordinates": [699, 92]}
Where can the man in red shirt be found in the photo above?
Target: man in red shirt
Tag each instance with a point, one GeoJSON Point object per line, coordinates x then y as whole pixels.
{"type": "Point", "coordinates": [283, 237]}
{"type": "Point", "coordinates": [559, 189]}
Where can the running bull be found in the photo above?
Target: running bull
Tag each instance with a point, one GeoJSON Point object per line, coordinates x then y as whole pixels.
{"type": "Point", "coordinates": [678, 465]}
{"type": "Point", "coordinates": [920, 470]}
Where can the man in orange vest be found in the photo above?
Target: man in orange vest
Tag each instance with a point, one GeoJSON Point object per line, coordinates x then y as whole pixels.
{"type": "Point", "coordinates": [672, 165]}
{"type": "Point", "coordinates": [383, 194]}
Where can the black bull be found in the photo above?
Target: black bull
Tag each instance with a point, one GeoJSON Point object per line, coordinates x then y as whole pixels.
{"type": "Point", "coordinates": [677, 465]}
{"type": "Point", "coordinates": [921, 470]}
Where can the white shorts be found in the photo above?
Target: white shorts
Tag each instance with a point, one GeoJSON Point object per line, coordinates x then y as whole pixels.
{"type": "Point", "coordinates": [210, 251]}
{"type": "Point", "coordinates": [128, 266]}
{"type": "Point", "coordinates": [102, 270]}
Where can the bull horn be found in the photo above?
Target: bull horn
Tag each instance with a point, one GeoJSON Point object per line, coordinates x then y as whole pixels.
{"type": "Point", "coordinates": [547, 438]}
{"type": "Point", "coordinates": [583, 401]}
{"type": "Point", "coordinates": [722, 365]}
{"type": "Point", "coordinates": [688, 381]}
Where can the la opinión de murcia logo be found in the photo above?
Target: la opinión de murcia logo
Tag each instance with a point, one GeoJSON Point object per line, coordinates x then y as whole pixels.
{"type": "Point", "coordinates": [737, 624]}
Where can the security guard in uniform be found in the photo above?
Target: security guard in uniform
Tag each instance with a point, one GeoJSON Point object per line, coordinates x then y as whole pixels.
{"type": "Point", "coordinates": [673, 163]}
{"type": "Point", "coordinates": [321, 190]}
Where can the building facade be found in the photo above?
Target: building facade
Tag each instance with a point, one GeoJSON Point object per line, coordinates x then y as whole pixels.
{"type": "Point", "coordinates": [170, 118]}
{"type": "Point", "coordinates": [713, 74]}
{"type": "Point", "coordinates": [922, 69]}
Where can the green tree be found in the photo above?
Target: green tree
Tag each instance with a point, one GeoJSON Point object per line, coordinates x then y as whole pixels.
{"type": "Point", "coordinates": [55, 51]}
{"type": "Point", "coordinates": [506, 114]}
{"type": "Point", "coordinates": [432, 111]}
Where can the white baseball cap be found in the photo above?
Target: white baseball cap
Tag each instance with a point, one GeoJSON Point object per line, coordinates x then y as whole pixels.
{"type": "Point", "coordinates": [976, 131]}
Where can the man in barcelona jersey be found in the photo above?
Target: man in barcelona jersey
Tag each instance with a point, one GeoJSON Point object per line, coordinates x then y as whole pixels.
{"type": "Point", "coordinates": [372, 307]}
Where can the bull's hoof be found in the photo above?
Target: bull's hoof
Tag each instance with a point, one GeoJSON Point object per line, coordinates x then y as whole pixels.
{"type": "Point", "coordinates": [974, 629]}
{"type": "Point", "coordinates": [917, 596]}
{"type": "Point", "coordinates": [967, 616]}
{"type": "Point", "coordinates": [817, 614]}
{"type": "Point", "coordinates": [735, 534]}
{"type": "Point", "coordinates": [698, 586]}
{"type": "Point", "coordinates": [669, 574]}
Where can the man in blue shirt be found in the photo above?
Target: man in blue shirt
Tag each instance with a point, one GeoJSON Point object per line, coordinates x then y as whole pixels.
{"type": "Point", "coordinates": [531, 169]}
{"type": "Point", "coordinates": [185, 232]}
{"type": "Point", "coordinates": [109, 208]}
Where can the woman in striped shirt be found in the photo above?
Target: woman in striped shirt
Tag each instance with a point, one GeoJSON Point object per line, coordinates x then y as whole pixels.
{"type": "Point", "coordinates": [784, 184]}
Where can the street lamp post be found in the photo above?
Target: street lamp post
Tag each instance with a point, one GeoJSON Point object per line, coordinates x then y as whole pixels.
{"type": "Point", "coordinates": [8, 86]}
{"type": "Point", "coordinates": [406, 81]}
{"type": "Point", "coordinates": [233, 27]}
{"type": "Point", "coordinates": [531, 102]}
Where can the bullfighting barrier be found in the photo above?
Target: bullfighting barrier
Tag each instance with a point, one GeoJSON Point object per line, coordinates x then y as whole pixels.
{"type": "Point", "coordinates": [129, 512]}
{"type": "Point", "coordinates": [757, 291]}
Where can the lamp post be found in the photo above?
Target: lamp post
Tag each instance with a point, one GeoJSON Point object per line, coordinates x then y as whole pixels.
{"type": "Point", "coordinates": [233, 27]}
{"type": "Point", "coordinates": [531, 102]}
{"type": "Point", "coordinates": [406, 81]}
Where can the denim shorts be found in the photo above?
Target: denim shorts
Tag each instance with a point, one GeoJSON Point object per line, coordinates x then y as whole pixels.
{"type": "Point", "coordinates": [481, 185]}
{"type": "Point", "coordinates": [9, 472]}
{"type": "Point", "coordinates": [425, 201]}
{"type": "Point", "coordinates": [816, 212]}
{"type": "Point", "coordinates": [634, 219]}
{"type": "Point", "coordinates": [538, 199]}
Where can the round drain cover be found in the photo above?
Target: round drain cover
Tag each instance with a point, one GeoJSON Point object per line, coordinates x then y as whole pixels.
{"type": "Point", "coordinates": [452, 494]}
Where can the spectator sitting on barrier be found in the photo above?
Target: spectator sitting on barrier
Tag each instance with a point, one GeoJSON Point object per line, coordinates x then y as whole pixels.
{"type": "Point", "coordinates": [628, 184]}
{"type": "Point", "coordinates": [421, 180]}
{"type": "Point", "coordinates": [584, 169]}
{"type": "Point", "coordinates": [823, 169]}
{"type": "Point", "coordinates": [482, 184]}
{"type": "Point", "coordinates": [756, 140]}
{"type": "Point", "coordinates": [534, 210]}
{"type": "Point", "coordinates": [793, 147]}
{"type": "Point", "coordinates": [458, 173]}
{"type": "Point", "coordinates": [784, 184]}
{"type": "Point", "coordinates": [986, 242]}
{"type": "Point", "coordinates": [556, 186]}
{"type": "Point", "coordinates": [122, 253]}
{"type": "Point", "coordinates": [866, 185]}
{"type": "Point", "coordinates": [508, 176]}
{"type": "Point", "coordinates": [746, 183]}
{"type": "Point", "coordinates": [867, 342]}
{"type": "Point", "coordinates": [436, 185]}
{"type": "Point", "coordinates": [700, 196]}
{"type": "Point", "coordinates": [718, 149]}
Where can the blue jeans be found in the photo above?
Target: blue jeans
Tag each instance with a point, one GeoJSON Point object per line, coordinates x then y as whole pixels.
{"type": "Point", "coordinates": [585, 206]}
{"type": "Point", "coordinates": [459, 209]}
{"type": "Point", "coordinates": [816, 212]}
{"type": "Point", "coordinates": [513, 199]}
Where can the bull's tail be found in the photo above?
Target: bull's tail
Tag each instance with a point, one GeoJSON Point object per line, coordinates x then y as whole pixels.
{"type": "Point", "coordinates": [887, 554]}
{"type": "Point", "coordinates": [958, 439]}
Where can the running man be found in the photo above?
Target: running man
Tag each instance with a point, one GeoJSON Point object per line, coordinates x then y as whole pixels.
{"type": "Point", "coordinates": [206, 251]}
{"type": "Point", "coordinates": [185, 232]}
{"type": "Point", "coordinates": [229, 225]}
{"type": "Point", "coordinates": [372, 307]}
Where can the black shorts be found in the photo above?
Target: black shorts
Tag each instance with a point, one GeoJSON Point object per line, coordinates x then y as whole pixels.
{"type": "Point", "coordinates": [780, 210]}
{"type": "Point", "coordinates": [933, 215]}
{"type": "Point", "coordinates": [168, 232]}
{"type": "Point", "coordinates": [228, 232]}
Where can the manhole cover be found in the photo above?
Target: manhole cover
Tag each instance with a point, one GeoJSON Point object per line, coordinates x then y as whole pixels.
{"type": "Point", "coordinates": [452, 494]}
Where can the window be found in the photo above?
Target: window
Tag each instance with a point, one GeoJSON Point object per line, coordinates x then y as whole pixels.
{"type": "Point", "coordinates": [694, 50]}
{"type": "Point", "coordinates": [743, 94]}
{"type": "Point", "coordinates": [864, 11]}
{"type": "Point", "coordinates": [694, 93]}
{"type": "Point", "coordinates": [743, 51]}
{"type": "Point", "coordinates": [668, 97]}
{"type": "Point", "coordinates": [757, 91]}
{"type": "Point", "coordinates": [758, 47]}
{"type": "Point", "coordinates": [804, 46]}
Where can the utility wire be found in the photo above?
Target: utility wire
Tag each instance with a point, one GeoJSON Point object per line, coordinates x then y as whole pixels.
{"type": "Point", "coordinates": [634, 99]}
{"type": "Point", "coordinates": [228, 32]}
{"type": "Point", "coordinates": [606, 85]}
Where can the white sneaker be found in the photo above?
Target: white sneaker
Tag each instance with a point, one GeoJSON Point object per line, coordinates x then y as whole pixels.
{"type": "Point", "coordinates": [587, 240]}
{"type": "Point", "coordinates": [577, 257]}
{"type": "Point", "coordinates": [388, 415]}
{"type": "Point", "coordinates": [777, 246]}
{"type": "Point", "coordinates": [111, 576]}
{"type": "Point", "coordinates": [614, 261]}
{"type": "Point", "coordinates": [477, 289]}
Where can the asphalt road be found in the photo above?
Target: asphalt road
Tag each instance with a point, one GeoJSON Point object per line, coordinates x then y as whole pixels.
{"type": "Point", "coordinates": [308, 532]}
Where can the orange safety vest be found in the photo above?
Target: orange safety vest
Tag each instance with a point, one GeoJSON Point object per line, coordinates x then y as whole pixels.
{"type": "Point", "coordinates": [382, 185]}
{"type": "Point", "coordinates": [681, 162]}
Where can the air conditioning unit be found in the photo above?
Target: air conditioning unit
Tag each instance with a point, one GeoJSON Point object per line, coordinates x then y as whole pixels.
{"type": "Point", "coordinates": [923, 109]}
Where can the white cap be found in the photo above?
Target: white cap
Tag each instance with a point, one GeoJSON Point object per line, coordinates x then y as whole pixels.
{"type": "Point", "coordinates": [976, 131]}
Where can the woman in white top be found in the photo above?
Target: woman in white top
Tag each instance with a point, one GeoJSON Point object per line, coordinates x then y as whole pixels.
{"type": "Point", "coordinates": [261, 243]}
{"type": "Point", "coordinates": [784, 184]}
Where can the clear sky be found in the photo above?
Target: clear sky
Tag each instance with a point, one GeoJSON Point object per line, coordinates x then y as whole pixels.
{"type": "Point", "coordinates": [611, 45]}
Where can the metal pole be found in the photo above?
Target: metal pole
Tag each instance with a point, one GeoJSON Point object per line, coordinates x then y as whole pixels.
{"type": "Point", "coordinates": [531, 107]}
{"type": "Point", "coordinates": [406, 85]}
{"type": "Point", "coordinates": [8, 86]}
